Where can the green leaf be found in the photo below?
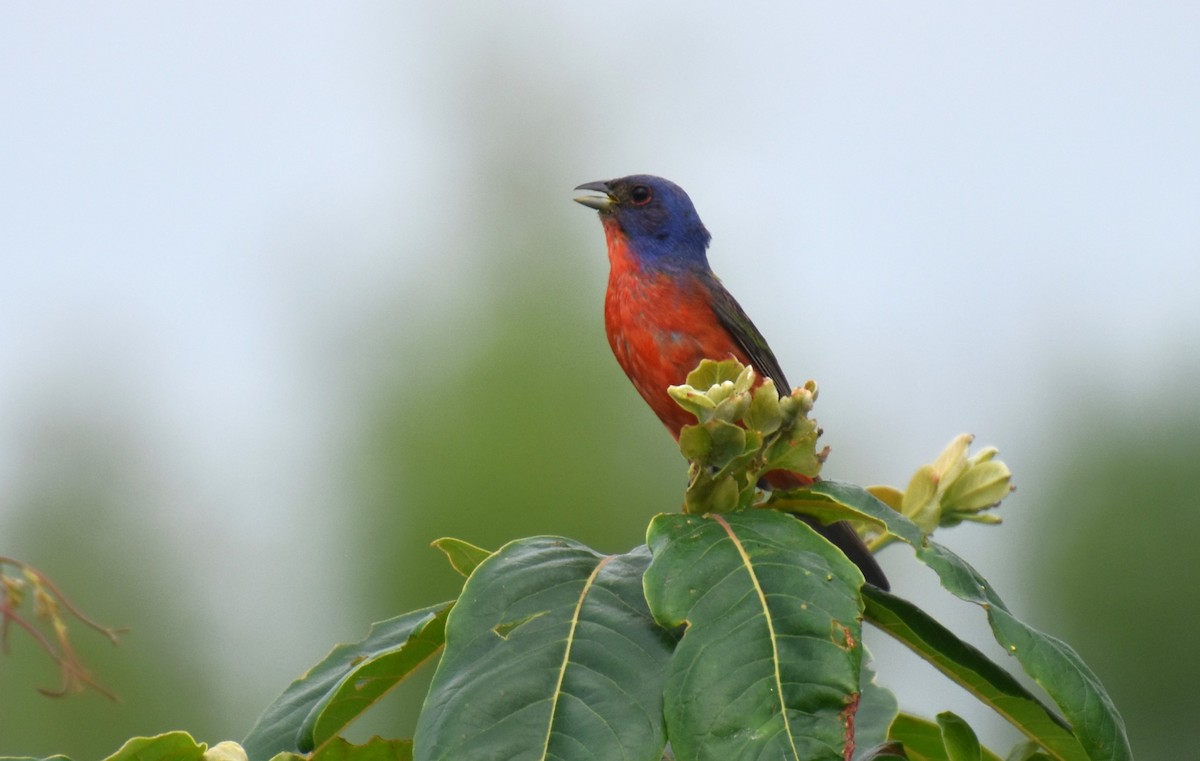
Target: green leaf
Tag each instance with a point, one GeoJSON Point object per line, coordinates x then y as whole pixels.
{"type": "Point", "coordinates": [345, 683]}
{"type": "Point", "coordinates": [887, 752]}
{"type": "Point", "coordinates": [695, 442]}
{"type": "Point", "coordinates": [693, 400]}
{"type": "Point", "coordinates": [924, 740]}
{"type": "Point", "coordinates": [877, 709]}
{"type": "Point", "coordinates": [728, 441]}
{"type": "Point", "coordinates": [711, 373]}
{"type": "Point", "coordinates": [709, 493]}
{"type": "Point", "coordinates": [172, 746]}
{"type": "Point", "coordinates": [764, 414]}
{"type": "Point", "coordinates": [463, 555]}
{"type": "Point", "coordinates": [769, 664]}
{"type": "Point", "coordinates": [737, 466]}
{"type": "Point", "coordinates": [550, 653]}
{"type": "Point", "coordinates": [374, 675]}
{"type": "Point", "coordinates": [1027, 751]}
{"type": "Point", "coordinates": [958, 737]}
{"type": "Point", "coordinates": [832, 501]}
{"type": "Point", "coordinates": [796, 450]}
{"type": "Point", "coordinates": [971, 669]}
{"type": "Point", "coordinates": [1050, 662]}
{"type": "Point", "coordinates": [376, 749]}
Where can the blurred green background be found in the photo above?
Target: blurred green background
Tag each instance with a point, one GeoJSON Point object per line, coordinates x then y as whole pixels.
{"type": "Point", "coordinates": [287, 293]}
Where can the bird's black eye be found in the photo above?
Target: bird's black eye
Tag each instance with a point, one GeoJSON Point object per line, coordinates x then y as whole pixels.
{"type": "Point", "coordinates": [640, 195]}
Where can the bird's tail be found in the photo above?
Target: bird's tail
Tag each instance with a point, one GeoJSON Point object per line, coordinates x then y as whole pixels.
{"type": "Point", "coordinates": [843, 536]}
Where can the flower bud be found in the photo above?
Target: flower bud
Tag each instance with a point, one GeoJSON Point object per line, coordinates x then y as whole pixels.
{"type": "Point", "coordinates": [764, 413]}
{"type": "Point", "coordinates": [982, 485]}
{"type": "Point", "coordinates": [693, 401]}
{"type": "Point", "coordinates": [226, 751]}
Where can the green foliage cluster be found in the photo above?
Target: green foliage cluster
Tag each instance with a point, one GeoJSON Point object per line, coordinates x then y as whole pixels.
{"type": "Point", "coordinates": [735, 632]}
{"type": "Point", "coordinates": [742, 432]}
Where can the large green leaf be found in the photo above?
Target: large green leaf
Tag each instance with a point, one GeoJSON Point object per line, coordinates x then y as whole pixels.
{"type": "Point", "coordinates": [971, 669]}
{"type": "Point", "coordinates": [550, 653]}
{"type": "Point", "coordinates": [1050, 662]}
{"type": "Point", "coordinates": [318, 705]}
{"type": "Point", "coordinates": [769, 664]}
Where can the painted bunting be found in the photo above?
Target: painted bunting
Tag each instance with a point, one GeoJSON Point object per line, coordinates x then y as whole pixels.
{"type": "Point", "coordinates": [665, 311]}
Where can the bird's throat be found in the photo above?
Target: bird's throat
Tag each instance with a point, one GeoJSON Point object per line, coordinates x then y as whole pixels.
{"type": "Point", "coordinates": [621, 258]}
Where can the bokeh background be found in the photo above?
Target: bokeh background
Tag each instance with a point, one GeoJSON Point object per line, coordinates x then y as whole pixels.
{"type": "Point", "coordinates": [286, 292]}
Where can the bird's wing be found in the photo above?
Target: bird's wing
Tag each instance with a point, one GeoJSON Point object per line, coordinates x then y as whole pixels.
{"type": "Point", "coordinates": [730, 313]}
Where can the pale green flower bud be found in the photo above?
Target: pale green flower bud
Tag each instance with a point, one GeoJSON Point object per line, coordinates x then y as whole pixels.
{"type": "Point", "coordinates": [693, 401]}
{"type": "Point", "coordinates": [226, 751]}
{"type": "Point", "coordinates": [764, 413]}
{"type": "Point", "coordinates": [920, 503]}
{"type": "Point", "coordinates": [981, 486]}
{"type": "Point", "coordinates": [955, 488]}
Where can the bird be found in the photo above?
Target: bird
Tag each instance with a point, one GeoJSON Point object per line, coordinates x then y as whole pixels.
{"type": "Point", "coordinates": [665, 311]}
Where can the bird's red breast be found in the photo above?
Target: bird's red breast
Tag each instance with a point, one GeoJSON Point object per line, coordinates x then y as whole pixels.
{"type": "Point", "coordinates": [660, 324]}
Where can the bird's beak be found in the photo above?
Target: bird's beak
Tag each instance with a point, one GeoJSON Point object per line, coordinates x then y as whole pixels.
{"type": "Point", "coordinates": [599, 203]}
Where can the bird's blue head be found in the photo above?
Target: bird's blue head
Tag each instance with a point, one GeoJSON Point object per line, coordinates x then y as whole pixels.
{"type": "Point", "coordinates": [657, 219]}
